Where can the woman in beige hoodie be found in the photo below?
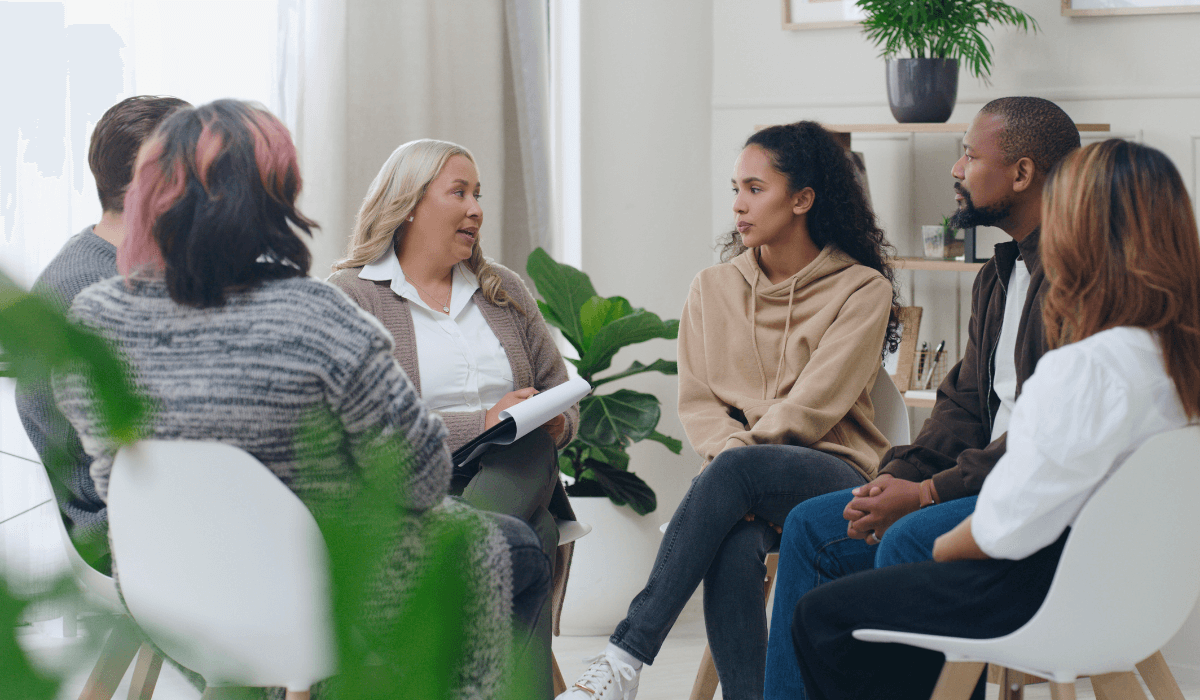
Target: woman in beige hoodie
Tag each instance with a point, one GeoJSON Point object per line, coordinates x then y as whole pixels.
{"type": "Point", "coordinates": [779, 346]}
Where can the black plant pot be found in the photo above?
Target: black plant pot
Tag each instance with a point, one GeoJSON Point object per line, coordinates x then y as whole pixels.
{"type": "Point", "coordinates": [922, 89]}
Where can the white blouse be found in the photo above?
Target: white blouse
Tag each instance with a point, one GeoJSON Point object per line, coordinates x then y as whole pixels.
{"type": "Point", "coordinates": [462, 365]}
{"type": "Point", "coordinates": [1086, 408]}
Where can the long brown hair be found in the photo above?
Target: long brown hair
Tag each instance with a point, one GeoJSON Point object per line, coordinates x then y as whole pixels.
{"type": "Point", "coordinates": [1120, 248]}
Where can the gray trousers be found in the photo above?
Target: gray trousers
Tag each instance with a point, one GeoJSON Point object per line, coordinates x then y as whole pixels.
{"type": "Point", "coordinates": [519, 480]}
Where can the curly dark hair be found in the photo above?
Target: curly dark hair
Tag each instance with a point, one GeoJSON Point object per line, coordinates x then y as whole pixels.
{"type": "Point", "coordinates": [809, 157]}
{"type": "Point", "coordinates": [1034, 128]}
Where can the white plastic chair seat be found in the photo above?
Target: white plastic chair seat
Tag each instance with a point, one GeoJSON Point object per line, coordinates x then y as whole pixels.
{"type": "Point", "coordinates": [1125, 583]}
{"type": "Point", "coordinates": [221, 564]}
{"type": "Point", "coordinates": [98, 589]}
{"type": "Point", "coordinates": [570, 530]}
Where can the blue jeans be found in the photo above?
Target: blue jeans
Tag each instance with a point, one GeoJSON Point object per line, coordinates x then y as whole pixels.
{"type": "Point", "coordinates": [709, 540]}
{"type": "Point", "coordinates": [815, 549]}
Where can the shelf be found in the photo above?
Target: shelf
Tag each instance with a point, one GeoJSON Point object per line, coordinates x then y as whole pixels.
{"type": "Point", "coordinates": [943, 265]}
{"type": "Point", "coordinates": [920, 399]}
{"type": "Point", "coordinates": [927, 128]}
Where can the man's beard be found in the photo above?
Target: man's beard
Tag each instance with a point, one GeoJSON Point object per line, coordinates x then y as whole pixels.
{"type": "Point", "coordinates": [970, 215]}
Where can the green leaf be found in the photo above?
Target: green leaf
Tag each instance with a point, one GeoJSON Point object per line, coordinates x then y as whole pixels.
{"type": "Point", "coordinates": [21, 680]}
{"type": "Point", "coordinates": [671, 443]}
{"type": "Point", "coordinates": [618, 418]}
{"type": "Point", "coordinates": [598, 312]}
{"type": "Point", "coordinates": [613, 455]}
{"type": "Point", "coordinates": [564, 290]}
{"type": "Point", "coordinates": [665, 366]}
{"type": "Point", "coordinates": [637, 327]}
{"type": "Point", "coordinates": [624, 488]}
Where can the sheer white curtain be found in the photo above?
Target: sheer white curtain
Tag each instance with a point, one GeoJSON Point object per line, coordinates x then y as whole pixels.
{"type": "Point", "coordinates": [63, 64]}
{"type": "Point", "coordinates": [352, 80]}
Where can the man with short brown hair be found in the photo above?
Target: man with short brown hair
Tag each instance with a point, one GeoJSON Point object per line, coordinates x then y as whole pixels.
{"type": "Point", "coordinates": [87, 258]}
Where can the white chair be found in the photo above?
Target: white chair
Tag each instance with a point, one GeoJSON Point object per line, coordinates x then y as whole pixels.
{"type": "Point", "coordinates": [891, 418]}
{"type": "Point", "coordinates": [1124, 586]}
{"type": "Point", "coordinates": [99, 592]}
{"type": "Point", "coordinates": [221, 565]}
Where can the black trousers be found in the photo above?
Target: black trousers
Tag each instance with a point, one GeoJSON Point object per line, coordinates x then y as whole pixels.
{"type": "Point", "coordinates": [972, 599]}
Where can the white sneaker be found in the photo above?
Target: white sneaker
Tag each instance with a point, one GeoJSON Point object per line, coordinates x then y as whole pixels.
{"type": "Point", "coordinates": [608, 678]}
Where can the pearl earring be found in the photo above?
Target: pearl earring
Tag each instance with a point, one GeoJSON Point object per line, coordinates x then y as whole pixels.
{"type": "Point", "coordinates": [410, 218]}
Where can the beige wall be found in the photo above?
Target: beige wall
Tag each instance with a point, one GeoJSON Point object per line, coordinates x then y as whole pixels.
{"type": "Point", "coordinates": [1139, 73]}
{"type": "Point", "coordinates": [646, 225]}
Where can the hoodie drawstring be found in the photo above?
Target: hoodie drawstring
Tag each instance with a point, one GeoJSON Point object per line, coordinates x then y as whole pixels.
{"type": "Point", "coordinates": [754, 331]}
{"type": "Point", "coordinates": [787, 328]}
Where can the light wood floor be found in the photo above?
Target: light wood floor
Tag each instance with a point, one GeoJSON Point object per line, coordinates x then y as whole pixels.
{"type": "Point", "coordinates": [670, 678]}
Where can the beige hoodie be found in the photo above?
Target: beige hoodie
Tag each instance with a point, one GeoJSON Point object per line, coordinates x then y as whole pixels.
{"type": "Point", "coordinates": [789, 363]}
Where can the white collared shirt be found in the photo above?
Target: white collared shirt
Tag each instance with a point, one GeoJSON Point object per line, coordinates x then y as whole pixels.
{"type": "Point", "coordinates": [462, 365]}
{"type": "Point", "coordinates": [1086, 408]}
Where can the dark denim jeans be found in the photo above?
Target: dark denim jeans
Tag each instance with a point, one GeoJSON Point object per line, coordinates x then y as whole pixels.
{"type": "Point", "coordinates": [709, 540]}
{"type": "Point", "coordinates": [815, 550]}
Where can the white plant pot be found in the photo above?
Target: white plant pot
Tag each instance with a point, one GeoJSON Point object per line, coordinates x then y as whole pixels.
{"type": "Point", "coordinates": [609, 568]}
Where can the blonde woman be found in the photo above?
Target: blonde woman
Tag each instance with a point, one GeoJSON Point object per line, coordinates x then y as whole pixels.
{"type": "Point", "coordinates": [468, 332]}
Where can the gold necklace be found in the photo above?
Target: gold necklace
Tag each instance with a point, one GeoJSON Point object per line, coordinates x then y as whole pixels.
{"type": "Point", "coordinates": [445, 306]}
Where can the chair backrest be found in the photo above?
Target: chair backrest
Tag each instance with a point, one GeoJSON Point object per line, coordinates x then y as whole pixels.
{"type": "Point", "coordinates": [1129, 574]}
{"type": "Point", "coordinates": [221, 564]}
{"type": "Point", "coordinates": [891, 415]}
{"type": "Point", "coordinates": [95, 586]}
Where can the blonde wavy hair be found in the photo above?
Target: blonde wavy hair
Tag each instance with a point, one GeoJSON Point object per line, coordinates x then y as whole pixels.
{"type": "Point", "coordinates": [392, 196]}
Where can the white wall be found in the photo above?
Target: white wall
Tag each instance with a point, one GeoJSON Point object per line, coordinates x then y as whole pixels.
{"type": "Point", "coordinates": [1138, 73]}
{"type": "Point", "coordinates": [646, 227]}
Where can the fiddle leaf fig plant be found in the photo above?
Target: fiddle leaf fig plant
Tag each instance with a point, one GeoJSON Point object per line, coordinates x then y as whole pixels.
{"type": "Point", "coordinates": [597, 327]}
{"type": "Point", "coordinates": [940, 28]}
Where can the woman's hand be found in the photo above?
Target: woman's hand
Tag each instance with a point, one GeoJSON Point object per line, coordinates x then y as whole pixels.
{"type": "Point", "coordinates": [512, 398]}
{"type": "Point", "coordinates": [556, 426]}
{"type": "Point", "coordinates": [958, 544]}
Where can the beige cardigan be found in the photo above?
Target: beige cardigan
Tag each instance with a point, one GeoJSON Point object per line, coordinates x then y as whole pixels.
{"type": "Point", "coordinates": [532, 355]}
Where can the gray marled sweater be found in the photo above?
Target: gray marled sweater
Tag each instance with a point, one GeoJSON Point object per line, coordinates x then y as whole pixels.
{"type": "Point", "coordinates": [84, 260]}
{"type": "Point", "coordinates": [249, 373]}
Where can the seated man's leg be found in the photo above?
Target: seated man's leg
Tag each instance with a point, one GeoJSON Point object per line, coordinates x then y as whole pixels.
{"type": "Point", "coordinates": [974, 599]}
{"type": "Point", "coordinates": [814, 549]}
{"type": "Point", "coordinates": [911, 539]}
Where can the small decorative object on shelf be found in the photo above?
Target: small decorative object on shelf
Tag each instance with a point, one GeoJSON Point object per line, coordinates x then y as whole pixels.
{"type": "Point", "coordinates": [943, 242]}
{"type": "Point", "coordinates": [924, 88]}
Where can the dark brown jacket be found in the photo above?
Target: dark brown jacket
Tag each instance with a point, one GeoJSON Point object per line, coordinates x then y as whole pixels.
{"type": "Point", "coordinates": [954, 446]}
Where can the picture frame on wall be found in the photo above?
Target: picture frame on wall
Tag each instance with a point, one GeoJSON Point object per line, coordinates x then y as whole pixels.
{"type": "Point", "coordinates": [1101, 8]}
{"type": "Point", "coordinates": [820, 14]}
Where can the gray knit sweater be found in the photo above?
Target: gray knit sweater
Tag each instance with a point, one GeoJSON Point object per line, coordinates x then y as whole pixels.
{"type": "Point", "coordinates": [250, 372]}
{"type": "Point", "coordinates": [84, 260]}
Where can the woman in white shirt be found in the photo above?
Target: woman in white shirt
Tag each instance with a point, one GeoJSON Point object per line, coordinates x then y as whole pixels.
{"type": "Point", "coordinates": [1120, 248]}
{"type": "Point", "coordinates": [468, 333]}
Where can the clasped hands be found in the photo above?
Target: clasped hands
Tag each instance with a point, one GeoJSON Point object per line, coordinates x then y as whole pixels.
{"type": "Point", "coordinates": [555, 426]}
{"type": "Point", "coordinates": [878, 505]}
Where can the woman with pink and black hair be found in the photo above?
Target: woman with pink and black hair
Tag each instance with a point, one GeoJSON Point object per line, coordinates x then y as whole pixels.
{"type": "Point", "coordinates": [232, 341]}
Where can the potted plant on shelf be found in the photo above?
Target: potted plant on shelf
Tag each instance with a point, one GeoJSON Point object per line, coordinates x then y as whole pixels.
{"type": "Point", "coordinates": [936, 34]}
{"type": "Point", "coordinates": [611, 563]}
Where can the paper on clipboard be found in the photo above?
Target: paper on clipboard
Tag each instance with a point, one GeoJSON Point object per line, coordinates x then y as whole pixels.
{"type": "Point", "coordinates": [520, 419]}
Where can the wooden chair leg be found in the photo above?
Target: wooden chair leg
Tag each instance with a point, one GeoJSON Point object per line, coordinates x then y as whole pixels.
{"type": "Point", "coordinates": [1117, 686]}
{"type": "Point", "coordinates": [115, 657]}
{"type": "Point", "coordinates": [1012, 684]}
{"type": "Point", "coordinates": [1158, 678]}
{"type": "Point", "coordinates": [145, 674]}
{"type": "Point", "coordinates": [705, 686]}
{"type": "Point", "coordinates": [957, 680]}
{"type": "Point", "coordinates": [296, 695]}
{"type": "Point", "coordinates": [1062, 691]}
{"type": "Point", "coordinates": [560, 685]}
